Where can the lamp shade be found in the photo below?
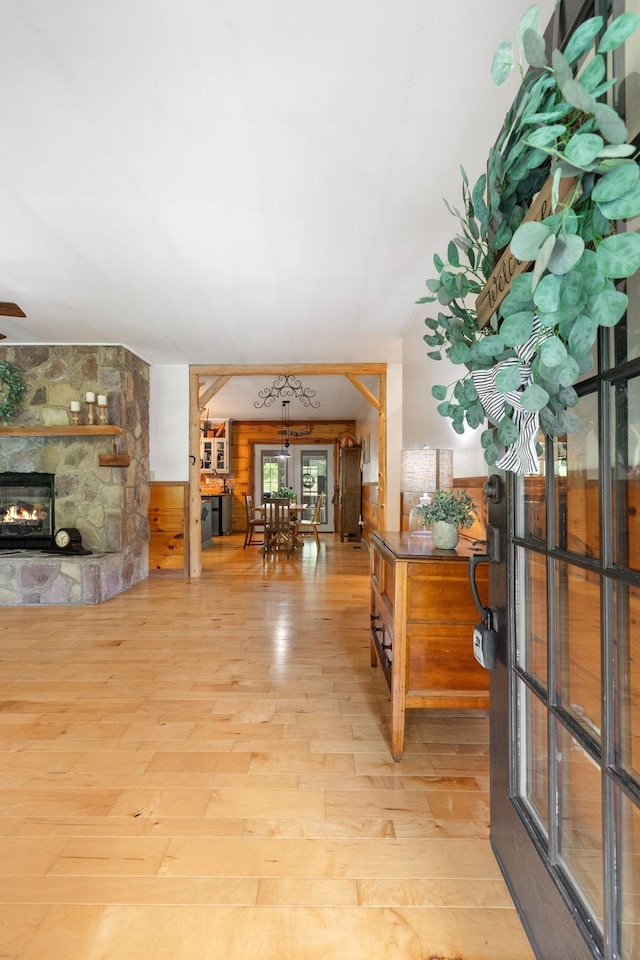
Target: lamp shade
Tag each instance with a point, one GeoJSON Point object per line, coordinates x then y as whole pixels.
{"type": "Point", "coordinates": [426, 469]}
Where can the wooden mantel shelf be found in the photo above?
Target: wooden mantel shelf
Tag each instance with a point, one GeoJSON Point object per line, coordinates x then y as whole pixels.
{"type": "Point", "coordinates": [100, 430]}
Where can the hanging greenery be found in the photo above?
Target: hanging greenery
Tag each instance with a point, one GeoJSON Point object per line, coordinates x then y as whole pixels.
{"type": "Point", "coordinates": [12, 390]}
{"type": "Point", "coordinates": [524, 349]}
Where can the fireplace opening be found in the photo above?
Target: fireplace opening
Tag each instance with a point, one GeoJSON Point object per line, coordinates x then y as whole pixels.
{"type": "Point", "coordinates": [27, 520]}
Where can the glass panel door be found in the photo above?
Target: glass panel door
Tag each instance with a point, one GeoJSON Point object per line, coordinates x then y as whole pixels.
{"type": "Point", "coordinates": [308, 472]}
{"type": "Point", "coordinates": [565, 693]}
{"type": "Point", "coordinates": [314, 482]}
{"type": "Point", "coordinates": [573, 680]}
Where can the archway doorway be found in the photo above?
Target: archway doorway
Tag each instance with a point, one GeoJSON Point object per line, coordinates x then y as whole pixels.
{"type": "Point", "coordinates": [222, 373]}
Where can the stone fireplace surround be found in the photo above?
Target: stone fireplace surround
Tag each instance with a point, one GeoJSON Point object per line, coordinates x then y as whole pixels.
{"type": "Point", "coordinates": [109, 505]}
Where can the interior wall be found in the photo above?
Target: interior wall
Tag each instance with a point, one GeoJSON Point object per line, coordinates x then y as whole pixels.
{"type": "Point", "coordinates": [395, 441]}
{"type": "Point", "coordinates": [422, 425]}
{"type": "Point", "coordinates": [169, 422]}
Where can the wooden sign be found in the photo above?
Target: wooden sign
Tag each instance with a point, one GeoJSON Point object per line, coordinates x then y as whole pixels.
{"type": "Point", "coordinates": [497, 286]}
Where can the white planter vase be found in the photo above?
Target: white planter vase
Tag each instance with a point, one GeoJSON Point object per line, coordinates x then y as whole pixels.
{"type": "Point", "coordinates": [445, 535]}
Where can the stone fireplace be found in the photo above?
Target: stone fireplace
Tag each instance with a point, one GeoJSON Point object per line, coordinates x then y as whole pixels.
{"type": "Point", "coordinates": [108, 504]}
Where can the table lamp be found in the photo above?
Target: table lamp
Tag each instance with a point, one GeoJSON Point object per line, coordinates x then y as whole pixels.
{"type": "Point", "coordinates": [421, 472]}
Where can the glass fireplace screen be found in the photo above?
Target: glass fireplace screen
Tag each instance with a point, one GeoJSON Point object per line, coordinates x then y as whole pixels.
{"type": "Point", "coordinates": [26, 510]}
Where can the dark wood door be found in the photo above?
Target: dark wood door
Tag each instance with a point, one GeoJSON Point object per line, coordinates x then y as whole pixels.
{"type": "Point", "coordinates": [350, 493]}
{"type": "Point", "coordinates": [565, 691]}
{"type": "Point", "coordinates": [518, 803]}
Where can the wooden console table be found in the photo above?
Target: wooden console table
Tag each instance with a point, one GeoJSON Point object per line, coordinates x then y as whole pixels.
{"type": "Point", "coordinates": [422, 619]}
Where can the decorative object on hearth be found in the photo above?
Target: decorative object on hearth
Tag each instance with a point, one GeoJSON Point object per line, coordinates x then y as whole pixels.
{"type": "Point", "coordinates": [286, 387]}
{"type": "Point", "coordinates": [559, 179]}
{"type": "Point", "coordinates": [446, 512]}
{"type": "Point", "coordinates": [74, 407]}
{"type": "Point", "coordinates": [90, 400]}
{"type": "Point", "coordinates": [69, 540]}
{"type": "Point", "coordinates": [102, 408]}
{"type": "Point", "coordinates": [12, 390]}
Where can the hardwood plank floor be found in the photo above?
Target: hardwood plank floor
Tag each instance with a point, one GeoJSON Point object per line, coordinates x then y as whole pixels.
{"type": "Point", "coordinates": [201, 769]}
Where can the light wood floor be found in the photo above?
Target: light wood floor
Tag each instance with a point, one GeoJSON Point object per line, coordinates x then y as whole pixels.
{"type": "Point", "coordinates": [200, 770]}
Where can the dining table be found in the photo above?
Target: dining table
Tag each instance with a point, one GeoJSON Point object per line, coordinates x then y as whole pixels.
{"type": "Point", "coordinates": [295, 511]}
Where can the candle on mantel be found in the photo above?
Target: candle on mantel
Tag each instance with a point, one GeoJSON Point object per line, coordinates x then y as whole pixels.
{"type": "Point", "coordinates": [74, 406]}
{"type": "Point", "coordinates": [102, 400]}
{"type": "Point", "coordinates": [90, 397]}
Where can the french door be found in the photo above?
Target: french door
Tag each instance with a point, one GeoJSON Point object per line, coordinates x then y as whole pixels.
{"type": "Point", "coordinates": [565, 694]}
{"type": "Point", "coordinates": [308, 471]}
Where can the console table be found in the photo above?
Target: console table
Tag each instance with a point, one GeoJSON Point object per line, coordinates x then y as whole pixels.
{"type": "Point", "coordinates": [422, 619]}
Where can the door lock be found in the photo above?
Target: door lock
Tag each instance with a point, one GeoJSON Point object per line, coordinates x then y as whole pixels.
{"type": "Point", "coordinates": [492, 489]}
{"type": "Point", "coordinates": [485, 633]}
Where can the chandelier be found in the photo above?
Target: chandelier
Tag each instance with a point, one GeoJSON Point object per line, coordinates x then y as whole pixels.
{"type": "Point", "coordinates": [289, 387]}
{"type": "Point", "coordinates": [284, 452]}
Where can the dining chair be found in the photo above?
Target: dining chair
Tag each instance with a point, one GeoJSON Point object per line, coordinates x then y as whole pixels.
{"type": "Point", "coordinates": [255, 522]}
{"type": "Point", "coordinates": [277, 526]}
{"type": "Point", "coordinates": [309, 528]}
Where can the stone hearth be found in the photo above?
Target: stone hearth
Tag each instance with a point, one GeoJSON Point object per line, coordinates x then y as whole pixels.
{"type": "Point", "coordinates": [28, 577]}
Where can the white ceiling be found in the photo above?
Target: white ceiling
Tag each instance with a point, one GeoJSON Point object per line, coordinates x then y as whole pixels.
{"type": "Point", "coordinates": [237, 181]}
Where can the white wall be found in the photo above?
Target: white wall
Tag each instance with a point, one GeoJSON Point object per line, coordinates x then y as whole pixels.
{"type": "Point", "coordinates": [367, 423]}
{"type": "Point", "coordinates": [395, 442]}
{"type": "Point", "coordinates": [422, 425]}
{"type": "Point", "coordinates": [169, 422]}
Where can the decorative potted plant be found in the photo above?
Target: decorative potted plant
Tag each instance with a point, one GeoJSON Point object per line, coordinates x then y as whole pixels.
{"type": "Point", "coordinates": [285, 493]}
{"type": "Point", "coordinates": [523, 354]}
{"type": "Point", "coordinates": [447, 512]}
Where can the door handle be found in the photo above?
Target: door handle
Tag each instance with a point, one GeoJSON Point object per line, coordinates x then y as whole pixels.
{"type": "Point", "coordinates": [477, 558]}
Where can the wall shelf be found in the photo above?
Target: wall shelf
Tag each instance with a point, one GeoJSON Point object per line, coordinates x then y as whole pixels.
{"type": "Point", "coordinates": [114, 460]}
{"type": "Point", "coordinates": [99, 430]}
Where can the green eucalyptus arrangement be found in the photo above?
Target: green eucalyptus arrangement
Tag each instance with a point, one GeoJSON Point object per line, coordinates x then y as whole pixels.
{"type": "Point", "coordinates": [12, 390]}
{"type": "Point", "coordinates": [521, 366]}
{"type": "Point", "coordinates": [449, 506]}
{"type": "Point", "coordinates": [285, 493]}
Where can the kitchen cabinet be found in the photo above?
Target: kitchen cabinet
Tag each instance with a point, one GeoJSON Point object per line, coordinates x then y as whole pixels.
{"type": "Point", "coordinates": [422, 620]}
{"type": "Point", "coordinates": [214, 446]}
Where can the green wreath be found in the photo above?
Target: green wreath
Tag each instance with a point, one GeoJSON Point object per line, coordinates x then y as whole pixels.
{"type": "Point", "coordinates": [522, 365]}
{"type": "Point", "coordinates": [12, 390]}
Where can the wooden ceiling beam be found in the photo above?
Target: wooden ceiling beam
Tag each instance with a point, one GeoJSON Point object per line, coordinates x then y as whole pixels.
{"type": "Point", "coordinates": [274, 369]}
{"type": "Point", "coordinates": [211, 391]}
{"type": "Point", "coordinates": [366, 393]}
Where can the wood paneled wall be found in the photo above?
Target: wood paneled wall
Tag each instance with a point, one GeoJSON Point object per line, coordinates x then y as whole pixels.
{"type": "Point", "coordinates": [245, 434]}
{"type": "Point", "coordinates": [370, 512]}
{"type": "Point", "coordinates": [168, 527]}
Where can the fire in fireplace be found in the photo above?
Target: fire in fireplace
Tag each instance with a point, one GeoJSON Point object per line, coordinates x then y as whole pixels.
{"type": "Point", "coordinates": [27, 519]}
